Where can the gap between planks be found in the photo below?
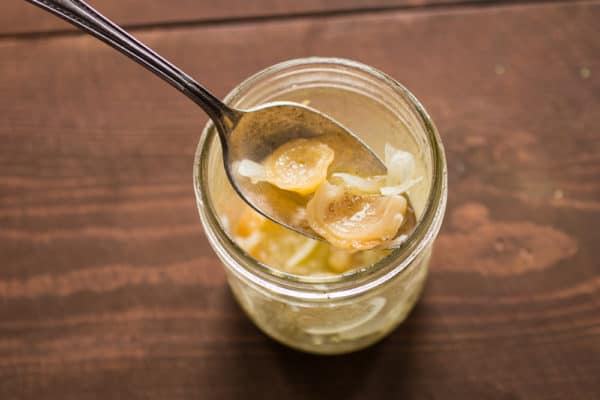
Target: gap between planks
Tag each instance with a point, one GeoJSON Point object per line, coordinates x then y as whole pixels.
{"type": "Point", "coordinates": [434, 7]}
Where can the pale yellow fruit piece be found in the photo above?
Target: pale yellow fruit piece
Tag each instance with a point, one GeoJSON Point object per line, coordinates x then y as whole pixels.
{"type": "Point", "coordinates": [299, 165]}
{"type": "Point", "coordinates": [339, 260]}
{"type": "Point", "coordinates": [401, 165]}
{"type": "Point", "coordinates": [351, 220]}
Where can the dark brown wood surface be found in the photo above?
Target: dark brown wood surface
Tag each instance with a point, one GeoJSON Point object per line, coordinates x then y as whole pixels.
{"type": "Point", "coordinates": [17, 17]}
{"type": "Point", "coordinates": [109, 290]}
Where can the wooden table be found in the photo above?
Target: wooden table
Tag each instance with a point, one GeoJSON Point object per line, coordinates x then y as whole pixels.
{"type": "Point", "coordinates": [109, 290]}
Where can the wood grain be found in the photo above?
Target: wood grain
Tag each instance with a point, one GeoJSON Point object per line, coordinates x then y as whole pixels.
{"type": "Point", "coordinates": [18, 17]}
{"type": "Point", "coordinates": [108, 287]}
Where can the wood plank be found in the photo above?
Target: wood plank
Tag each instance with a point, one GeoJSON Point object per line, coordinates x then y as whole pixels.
{"type": "Point", "coordinates": [16, 16]}
{"type": "Point", "coordinates": [108, 288]}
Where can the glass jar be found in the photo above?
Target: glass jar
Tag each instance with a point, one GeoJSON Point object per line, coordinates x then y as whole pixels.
{"type": "Point", "coordinates": [346, 312]}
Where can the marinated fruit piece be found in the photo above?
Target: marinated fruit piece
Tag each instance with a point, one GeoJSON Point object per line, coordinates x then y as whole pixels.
{"type": "Point", "coordinates": [299, 166]}
{"type": "Point", "coordinates": [401, 165]}
{"type": "Point", "coordinates": [352, 220]}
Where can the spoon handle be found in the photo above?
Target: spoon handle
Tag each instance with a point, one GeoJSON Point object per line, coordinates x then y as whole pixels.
{"type": "Point", "coordinates": [80, 14]}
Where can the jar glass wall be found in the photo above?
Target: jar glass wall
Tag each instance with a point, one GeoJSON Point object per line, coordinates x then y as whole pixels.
{"type": "Point", "coordinates": [338, 313]}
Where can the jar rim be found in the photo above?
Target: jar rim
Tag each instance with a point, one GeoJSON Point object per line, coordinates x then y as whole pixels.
{"type": "Point", "coordinates": [353, 282]}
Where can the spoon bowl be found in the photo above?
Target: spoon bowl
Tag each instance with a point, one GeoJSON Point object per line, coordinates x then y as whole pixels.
{"type": "Point", "coordinates": [261, 130]}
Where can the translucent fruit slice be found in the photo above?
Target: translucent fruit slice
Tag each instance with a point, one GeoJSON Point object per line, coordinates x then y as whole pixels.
{"type": "Point", "coordinates": [299, 165]}
{"type": "Point", "coordinates": [370, 184]}
{"type": "Point", "coordinates": [351, 220]}
{"type": "Point", "coordinates": [401, 165]}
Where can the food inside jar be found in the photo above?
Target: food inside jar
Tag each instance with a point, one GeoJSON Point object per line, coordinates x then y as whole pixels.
{"type": "Point", "coordinates": [350, 219]}
{"type": "Point", "coordinates": [358, 217]}
{"type": "Point", "coordinates": [279, 247]}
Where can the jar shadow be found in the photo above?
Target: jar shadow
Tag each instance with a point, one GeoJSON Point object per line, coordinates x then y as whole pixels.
{"type": "Point", "coordinates": [263, 368]}
{"type": "Point", "coordinates": [361, 374]}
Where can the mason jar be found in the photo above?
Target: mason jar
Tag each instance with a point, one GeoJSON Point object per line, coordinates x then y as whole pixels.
{"type": "Point", "coordinates": [335, 313]}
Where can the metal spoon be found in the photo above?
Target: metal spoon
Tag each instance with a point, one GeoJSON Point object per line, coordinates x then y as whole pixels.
{"type": "Point", "coordinates": [245, 134]}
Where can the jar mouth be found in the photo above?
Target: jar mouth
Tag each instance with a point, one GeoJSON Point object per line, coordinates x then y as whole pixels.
{"type": "Point", "coordinates": [352, 282]}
